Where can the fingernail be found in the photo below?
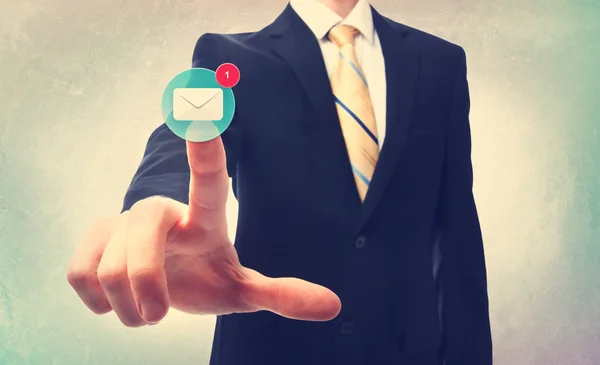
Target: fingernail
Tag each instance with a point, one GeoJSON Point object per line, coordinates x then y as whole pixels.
{"type": "Point", "coordinates": [152, 310]}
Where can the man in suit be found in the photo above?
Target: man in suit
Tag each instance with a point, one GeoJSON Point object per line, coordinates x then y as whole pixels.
{"type": "Point", "coordinates": [357, 241]}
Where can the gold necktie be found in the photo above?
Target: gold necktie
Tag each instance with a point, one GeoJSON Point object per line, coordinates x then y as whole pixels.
{"type": "Point", "coordinates": [354, 108]}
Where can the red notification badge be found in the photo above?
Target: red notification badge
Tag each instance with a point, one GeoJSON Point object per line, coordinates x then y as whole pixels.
{"type": "Point", "coordinates": [228, 75]}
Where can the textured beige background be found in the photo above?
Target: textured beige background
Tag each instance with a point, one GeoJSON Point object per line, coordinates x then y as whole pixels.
{"type": "Point", "coordinates": [80, 89]}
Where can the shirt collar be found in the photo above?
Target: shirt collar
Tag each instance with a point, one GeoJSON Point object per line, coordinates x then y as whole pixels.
{"type": "Point", "coordinates": [320, 19]}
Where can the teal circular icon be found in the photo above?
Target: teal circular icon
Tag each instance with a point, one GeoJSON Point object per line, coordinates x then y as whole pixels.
{"type": "Point", "coordinates": [195, 107]}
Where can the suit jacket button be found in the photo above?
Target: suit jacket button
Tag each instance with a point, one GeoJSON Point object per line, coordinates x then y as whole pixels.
{"type": "Point", "coordinates": [360, 242]}
{"type": "Point", "coordinates": [347, 328]}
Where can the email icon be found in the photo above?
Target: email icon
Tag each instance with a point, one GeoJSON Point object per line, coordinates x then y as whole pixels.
{"type": "Point", "coordinates": [191, 104]}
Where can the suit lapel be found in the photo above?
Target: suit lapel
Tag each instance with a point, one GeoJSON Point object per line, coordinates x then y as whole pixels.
{"type": "Point", "coordinates": [401, 68]}
{"type": "Point", "coordinates": [296, 44]}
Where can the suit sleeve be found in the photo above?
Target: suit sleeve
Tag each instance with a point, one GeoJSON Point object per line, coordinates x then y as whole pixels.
{"type": "Point", "coordinates": [465, 313]}
{"type": "Point", "coordinates": [164, 169]}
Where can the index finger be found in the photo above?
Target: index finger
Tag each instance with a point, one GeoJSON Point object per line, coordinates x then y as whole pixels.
{"type": "Point", "coordinates": [209, 183]}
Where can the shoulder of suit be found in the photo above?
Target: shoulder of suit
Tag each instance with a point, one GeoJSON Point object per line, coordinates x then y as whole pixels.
{"type": "Point", "coordinates": [427, 42]}
{"type": "Point", "coordinates": [226, 38]}
{"type": "Point", "coordinates": [212, 48]}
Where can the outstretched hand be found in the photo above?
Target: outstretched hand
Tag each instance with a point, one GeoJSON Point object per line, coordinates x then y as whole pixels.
{"type": "Point", "coordinates": [162, 253]}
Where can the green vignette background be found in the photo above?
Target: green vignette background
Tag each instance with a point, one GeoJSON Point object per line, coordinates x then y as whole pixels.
{"type": "Point", "coordinates": [80, 88]}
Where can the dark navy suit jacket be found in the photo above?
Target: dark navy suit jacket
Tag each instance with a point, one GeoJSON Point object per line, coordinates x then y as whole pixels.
{"type": "Point", "coordinates": [300, 214]}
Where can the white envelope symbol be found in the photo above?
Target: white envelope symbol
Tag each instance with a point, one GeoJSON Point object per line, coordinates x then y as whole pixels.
{"type": "Point", "coordinates": [198, 104]}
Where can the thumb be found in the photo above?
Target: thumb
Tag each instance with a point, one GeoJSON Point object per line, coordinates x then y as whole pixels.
{"type": "Point", "coordinates": [292, 298]}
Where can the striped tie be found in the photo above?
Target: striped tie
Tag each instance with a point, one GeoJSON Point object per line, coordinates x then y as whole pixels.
{"type": "Point", "coordinates": [355, 110]}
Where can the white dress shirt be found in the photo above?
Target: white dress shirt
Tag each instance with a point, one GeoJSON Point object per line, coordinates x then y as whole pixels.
{"type": "Point", "coordinates": [320, 19]}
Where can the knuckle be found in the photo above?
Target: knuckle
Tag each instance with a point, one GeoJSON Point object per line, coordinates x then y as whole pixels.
{"type": "Point", "coordinates": [113, 279]}
{"type": "Point", "coordinates": [149, 205]}
{"type": "Point", "coordinates": [79, 279]}
{"type": "Point", "coordinates": [153, 209]}
{"type": "Point", "coordinates": [207, 203]}
{"type": "Point", "coordinates": [217, 198]}
{"type": "Point", "coordinates": [211, 172]}
{"type": "Point", "coordinates": [145, 274]}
